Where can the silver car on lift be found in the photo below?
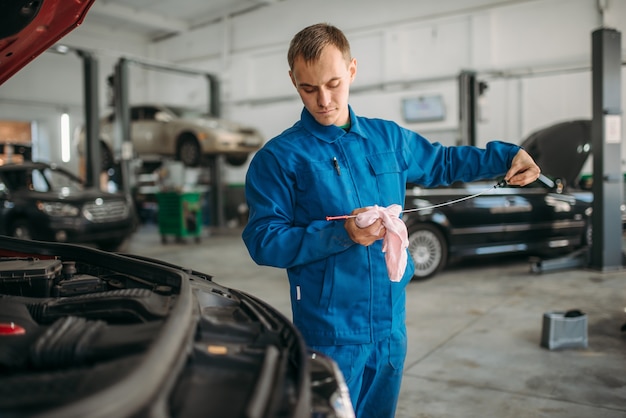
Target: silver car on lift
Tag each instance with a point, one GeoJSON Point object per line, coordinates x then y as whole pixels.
{"type": "Point", "coordinates": [186, 134]}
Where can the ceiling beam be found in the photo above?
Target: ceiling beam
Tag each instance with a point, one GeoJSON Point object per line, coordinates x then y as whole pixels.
{"type": "Point", "coordinates": [139, 17]}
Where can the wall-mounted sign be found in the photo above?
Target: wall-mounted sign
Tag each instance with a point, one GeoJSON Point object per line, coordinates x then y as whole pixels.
{"type": "Point", "coordinates": [424, 109]}
{"type": "Point", "coordinates": [613, 129]}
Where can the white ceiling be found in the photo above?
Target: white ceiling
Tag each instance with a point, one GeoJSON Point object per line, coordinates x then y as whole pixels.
{"type": "Point", "coordinates": [161, 18]}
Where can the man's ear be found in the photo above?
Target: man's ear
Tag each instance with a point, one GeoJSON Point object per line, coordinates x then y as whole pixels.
{"type": "Point", "coordinates": [352, 69]}
{"type": "Point", "coordinates": [293, 80]}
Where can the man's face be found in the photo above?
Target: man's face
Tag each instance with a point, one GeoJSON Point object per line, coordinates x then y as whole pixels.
{"type": "Point", "coordinates": [324, 86]}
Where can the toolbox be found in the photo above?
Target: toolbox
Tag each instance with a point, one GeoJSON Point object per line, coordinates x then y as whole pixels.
{"type": "Point", "coordinates": [564, 330]}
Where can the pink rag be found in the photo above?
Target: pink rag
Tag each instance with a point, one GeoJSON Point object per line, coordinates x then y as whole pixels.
{"type": "Point", "coordinates": [396, 239]}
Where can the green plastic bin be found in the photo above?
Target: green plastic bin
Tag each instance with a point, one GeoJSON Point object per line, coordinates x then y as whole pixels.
{"type": "Point", "coordinates": [180, 215]}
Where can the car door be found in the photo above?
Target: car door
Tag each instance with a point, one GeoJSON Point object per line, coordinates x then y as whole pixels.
{"type": "Point", "coordinates": [493, 222]}
{"type": "Point", "coordinates": [558, 220]}
{"type": "Point", "coordinates": [146, 131]}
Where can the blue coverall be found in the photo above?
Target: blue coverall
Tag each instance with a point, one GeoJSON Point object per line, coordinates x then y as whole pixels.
{"type": "Point", "coordinates": [342, 300]}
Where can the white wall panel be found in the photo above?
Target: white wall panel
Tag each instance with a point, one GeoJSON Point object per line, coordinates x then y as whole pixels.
{"type": "Point", "coordinates": [500, 112]}
{"type": "Point", "coordinates": [368, 49]}
{"type": "Point", "coordinates": [277, 24]}
{"type": "Point", "coordinates": [259, 75]}
{"type": "Point", "coordinates": [543, 32]}
{"type": "Point", "coordinates": [202, 43]}
{"type": "Point", "coordinates": [553, 98]}
{"type": "Point", "coordinates": [49, 78]}
{"type": "Point", "coordinates": [480, 34]}
{"type": "Point", "coordinates": [428, 50]}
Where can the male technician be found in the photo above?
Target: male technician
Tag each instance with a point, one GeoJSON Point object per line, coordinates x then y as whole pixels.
{"type": "Point", "coordinates": [333, 162]}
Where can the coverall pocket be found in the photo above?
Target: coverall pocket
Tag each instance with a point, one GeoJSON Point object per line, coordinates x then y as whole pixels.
{"type": "Point", "coordinates": [397, 348]}
{"type": "Point", "coordinates": [316, 181]}
{"type": "Point", "coordinates": [389, 168]}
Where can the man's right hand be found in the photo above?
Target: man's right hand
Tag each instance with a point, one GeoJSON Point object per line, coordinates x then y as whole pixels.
{"type": "Point", "coordinates": [364, 236]}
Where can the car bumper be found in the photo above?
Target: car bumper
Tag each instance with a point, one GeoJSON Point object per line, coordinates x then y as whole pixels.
{"type": "Point", "coordinates": [82, 231]}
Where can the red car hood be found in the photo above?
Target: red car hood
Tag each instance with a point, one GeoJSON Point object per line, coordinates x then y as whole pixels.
{"type": "Point", "coordinates": [29, 27]}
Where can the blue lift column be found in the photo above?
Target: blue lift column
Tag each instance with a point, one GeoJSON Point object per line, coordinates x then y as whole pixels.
{"type": "Point", "coordinates": [606, 139]}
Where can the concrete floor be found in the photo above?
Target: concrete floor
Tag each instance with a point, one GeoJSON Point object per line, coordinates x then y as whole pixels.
{"type": "Point", "coordinates": [474, 331]}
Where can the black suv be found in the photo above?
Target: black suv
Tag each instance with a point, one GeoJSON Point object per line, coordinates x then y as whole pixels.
{"type": "Point", "coordinates": [42, 202]}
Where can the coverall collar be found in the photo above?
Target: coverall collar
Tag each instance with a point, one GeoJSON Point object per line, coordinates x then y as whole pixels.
{"type": "Point", "coordinates": [329, 133]}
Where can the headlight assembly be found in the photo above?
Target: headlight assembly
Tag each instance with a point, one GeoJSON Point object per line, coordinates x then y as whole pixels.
{"type": "Point", "coordinates": [58, 209]}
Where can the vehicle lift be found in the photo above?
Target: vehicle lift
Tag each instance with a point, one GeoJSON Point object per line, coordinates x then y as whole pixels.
{"type": "Point", "coordinates": [605, 253]}
{"type": "Point", "coordinates": [122, 126]}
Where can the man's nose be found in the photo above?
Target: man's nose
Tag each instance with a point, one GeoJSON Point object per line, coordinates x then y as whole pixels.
{"type": "Point", "coordinates": [323, 98]}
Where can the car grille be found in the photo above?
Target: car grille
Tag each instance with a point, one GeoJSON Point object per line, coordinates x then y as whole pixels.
{"type": "Point", "coordinates": [107, 211]}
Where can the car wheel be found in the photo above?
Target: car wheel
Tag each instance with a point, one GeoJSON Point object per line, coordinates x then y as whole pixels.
{"type": "Point", "coordinates": [428, 249]}
{"type": "Point", "coordinates": [237, 160]}
{"type": "Point", "coordinates": [188, 151]}
{"type": "Point", "coordinates": [22, 230]}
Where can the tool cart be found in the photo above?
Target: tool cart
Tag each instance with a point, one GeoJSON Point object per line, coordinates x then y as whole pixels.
{"type": "Point", "coordinates": [179, 214]}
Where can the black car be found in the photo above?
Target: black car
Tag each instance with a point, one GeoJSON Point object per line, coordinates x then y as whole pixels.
{"type": "Point", "coordinates": [43, 202]}
{"type": "Point", "coordinates": [86, 333]}
{"type": "Point", "coordinates": [538, 219]}
{"type": "Point", "coordinates": [551, 216]}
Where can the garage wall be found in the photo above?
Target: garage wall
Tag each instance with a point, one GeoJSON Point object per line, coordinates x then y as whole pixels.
{"type": "Point", "coordinates": [534, 54]}
{"type": "Point", "coordinates": [53, 84]}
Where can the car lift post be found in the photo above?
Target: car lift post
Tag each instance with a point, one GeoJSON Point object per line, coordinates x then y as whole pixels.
{"type": "Point", "coordinates": [122, 119]}
{"type": "Point", "coordinates": [217, 163]}
{"type": "Point", "coordinates": [606, 249]}
{"type": "Point", "coordinates": [90, 97]}
{"type": "Point", "coordinates": [468, 99]}
{"type": "Point", "coordinates": [92, 122]}
{"type": "Point", "coordinates": [605, 253]}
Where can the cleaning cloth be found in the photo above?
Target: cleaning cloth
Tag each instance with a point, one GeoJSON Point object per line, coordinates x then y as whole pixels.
{"type": "Point", "coordinates": [396, 238]}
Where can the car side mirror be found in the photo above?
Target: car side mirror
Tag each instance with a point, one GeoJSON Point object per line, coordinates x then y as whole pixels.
{"type": "Point", "coordinates": [162, 117]}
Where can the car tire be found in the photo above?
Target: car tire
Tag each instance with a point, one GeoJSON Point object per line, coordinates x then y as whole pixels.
{"type": "Point", "coordinates": [237, 160]}
{"type": "Point", "coordinates": [21, 229]}
{"type": "Point", "coordinates": [428, 249]}
{"type": "Point", "coordinates": [188, 151]}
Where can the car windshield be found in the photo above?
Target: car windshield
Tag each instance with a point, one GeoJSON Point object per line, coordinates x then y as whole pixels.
{"type": "Point", "coordinates": [187, 112]}
{"type": "Point", "coordinates": [47, 180]}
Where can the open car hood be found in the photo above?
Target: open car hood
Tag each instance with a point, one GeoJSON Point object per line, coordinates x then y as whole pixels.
{"type": "Point", "coordinates": [27, 28]}
{"type": "Point", "coordinates": [88, 333]}
{"type": "Point", "coordinates": [562, 149]}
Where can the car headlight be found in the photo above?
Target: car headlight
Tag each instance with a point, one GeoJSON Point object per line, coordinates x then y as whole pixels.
{"type": "Point", "coordinates": [58, 209]}
{"type": "Point", "coordinates": [331, 397]}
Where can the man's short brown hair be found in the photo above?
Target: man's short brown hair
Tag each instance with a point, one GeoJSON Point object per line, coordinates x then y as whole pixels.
{"type": "Point", "coordinates": [310, 41]}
